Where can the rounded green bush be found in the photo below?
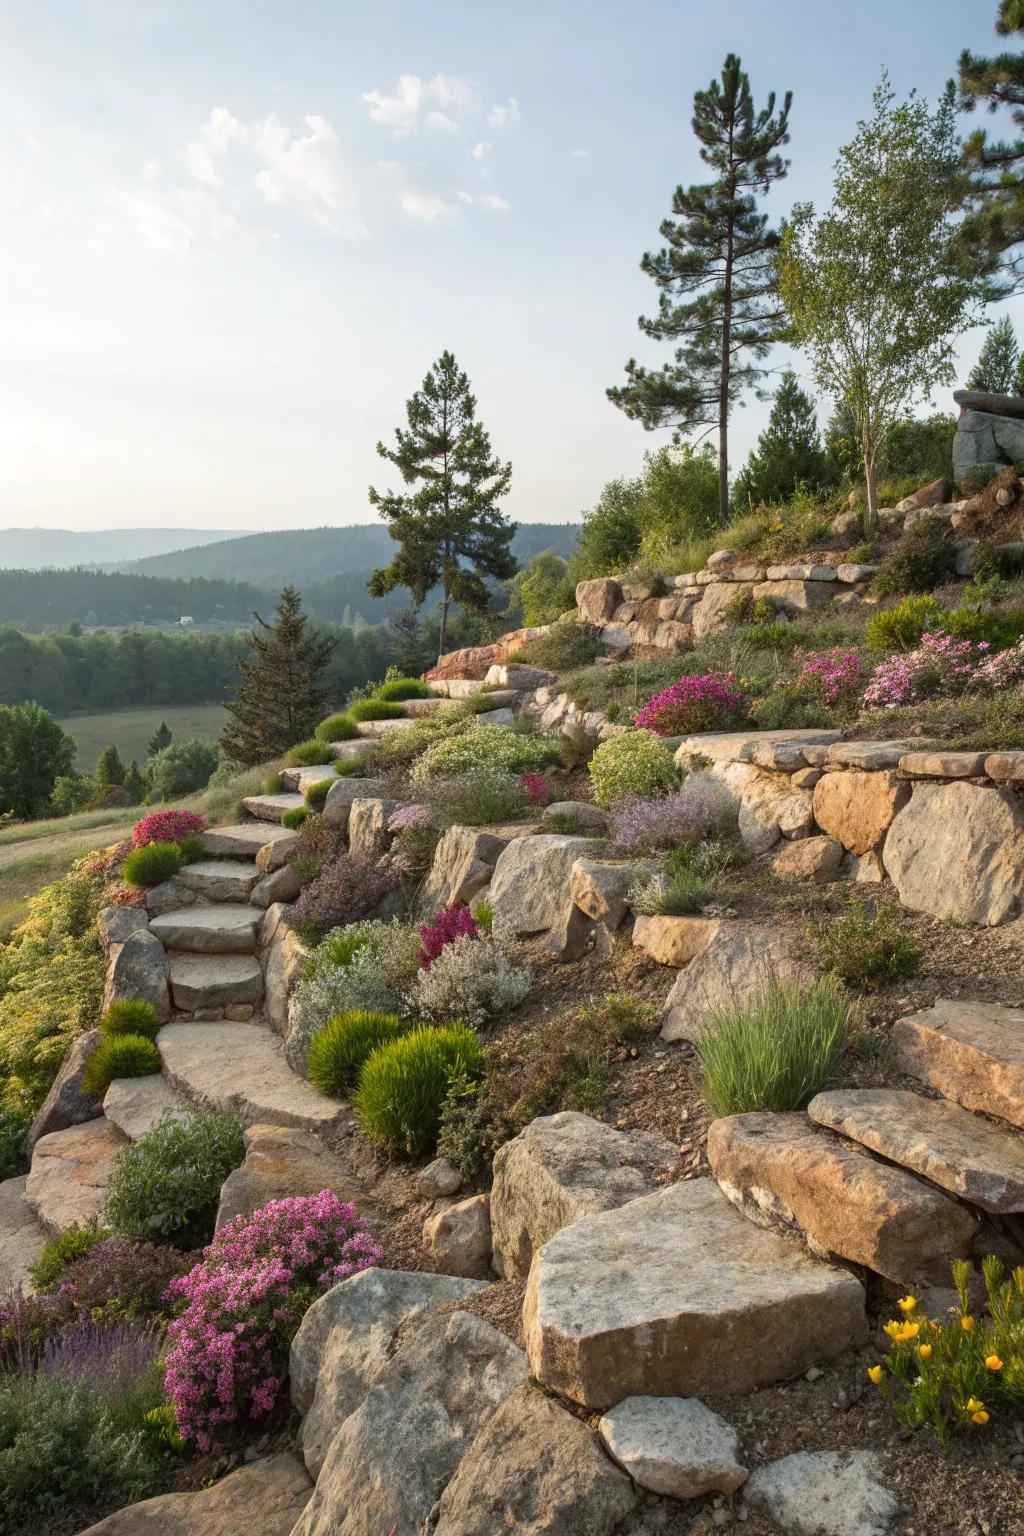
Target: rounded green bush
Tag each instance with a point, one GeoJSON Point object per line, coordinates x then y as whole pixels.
{"type": "Point", "coordinates": [308, 754]}
{"type": "Point", "coordinates": [336, 728]}
{"type": "Point", "coordinates": [348, 768]}
{"type": "Point", "coordinates": [317, 793]}
{"type": "Point", "coordinates": [403, 1085]}
{"type": "Point", "coordinates": [338, 1051]}
{"type": "Point", "coordinates": [634, 764]}
{"type": "Point", "coordinates": [119, 1056]}
{"type": "Point", "coordinates": [131, 1016]}
{"type": "Point", "coordinates": [191, 849]}
{"type": "Point", "coordinates": [376, 709]}
{"type": "Point", "coordinates": [294, 819]}
{"type": "Point", "coordinates": [165, 1186]}
{"type": "Point", "coordinates": [403, 688]}
{"type": "Point", "coordinates": [152, 865]}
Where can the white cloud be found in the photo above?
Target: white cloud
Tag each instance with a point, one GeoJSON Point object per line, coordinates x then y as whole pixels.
{"type": "Point", "coordinates": [504, 114]}
{"type": "Point", "coordinates": [482, 150]}
{"type": "Point", "coordinates": [446, 96]}
{"type": "Point", "coordinates": [442, 122]}
{"type": "Point", "coordinates": [399, 111]}
{"type": "Point", "coordinates": [579, 154]}
{"type": "Point", "coordinates": [200, 162]}
{"type": "Point", "coordinates": [452, 91]}
{"type": "Point", "coordinates": [485, 200]}
{"type": "Point", "coordinates": [308, 171]}
{"type": "Point", "coordinates": [171, 221]}
{"type": "Point", "coordinates": [424, 206]}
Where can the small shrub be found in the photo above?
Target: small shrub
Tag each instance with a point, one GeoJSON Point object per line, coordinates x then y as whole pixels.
{"type": "Point", "coordinates": [685, 816]}
{"type": "Point", "coordinates": [336, 728]}
{"type": "Point", "coordinates": [536, 788]}
{"type": "Point", "coordinates": [181, 769]}
{"type": "Point", "coordinates": [472, 979]}
{"type": "Point", "coordinates": [867, 949]}
{"type": "Point", "coordinates": [119, 1056]}
{"type": "Point", "coordinates": [775, 1053]}
{"type": "Point", "coordinates": [631, 765]}
{"type": "Point", "coordinates": [496, 749]}
{"type": "Point", "coordinates": [273, 784]}
{"type": "Point", "coordinates": [940, 666]}
{"type": "Point", "coordinates": [167, 827]}
{"type": "Point", "coordinates": [131, 1016]}
{"type": "Point", "coordinates": [568, 644]}
{"type": "Point", "coordinates": [60, 1251]}
{"type": "Point", "coordinates": [316, 794]}
{"type": "Point", "coordinates": [382, 964]}
{"type": "Point", "coordinates": [151, 865]}
{"type": "Point", "coordinates": [483, 914]}
{"type": "Point", "coordinates": [833, 677]}
{"type": "Point", "coordinates": [923, 559]}
{"type": "Point", "coordinates": [165, 1186]}
{"type": "Point", "coordinates": [763, 613]}
{"type": "Point", "coordinates": [394, 689]}
{"type": "Point", "coordinates": [191, 849]}
{"type": "Point", "coordinates": [900, 628]}
{"type": "Point", "coordinates": [338, 1050]}
{"type": "Point", "coordinates": [484, 798]}
{"type": "Point", "coordinates": [789, 707]}
{"type": "Point", "coordinates": [376, 709]}
{"type": "Point", "coordinates": [294, 818]}
{"type": "Point", "coordinates": [709, 701]}
{"type": "Point", "coordinates": [404, 1084]}
{"type": "Point", "coordinates": [451, 923]}
{"type": "Point", "coordinates": [339, 948]}
{"type": "Point", "coordinates": [676, 895]}
{"type": "Point", "coordinates": [344, 890]}
{"type": "Point", "coordinates": [308, 754]}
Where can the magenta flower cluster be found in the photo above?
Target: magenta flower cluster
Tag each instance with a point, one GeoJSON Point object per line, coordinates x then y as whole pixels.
{"type": "Point", "coordinates": [451, 923]}
{"type": "Point", "coordinates": [940, 665]}
{"type": "Point", "coordinates": [705, 702]}
{"type": "Point", "coordinates": [167, 827]}
{"type": "Point", "coordinates": [536, 787]}
{"type": "Point", "coordinates": [833, 676]}
{"type": "Point", "coordinates": [228, 1350]}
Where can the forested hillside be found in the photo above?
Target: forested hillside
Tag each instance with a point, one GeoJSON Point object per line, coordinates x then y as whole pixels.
{"type": "Point", "coordinates": [33, 548]}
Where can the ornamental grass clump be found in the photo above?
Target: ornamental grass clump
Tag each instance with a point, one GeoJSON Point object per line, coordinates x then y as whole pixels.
{"type": "Point", "coordinates": [336, 728]}
{"type": "Point", "coordinates": [635, 764]}
{"type": "Point", "coordinates": [394, 689]}
{"type": "Point", "coordinates": [708, 701]}
{"type": "Point", "coordinates": [339, 1049]}
{"type": "Point", "coordinates": [167, 827]}
{"type": "Point", "coordinates": [131, 1016]}
{"type": "Point", "coordinates": [403, 1085]}
{"type": "Point", "coordinates": [151, 864]}
{"type": "Point", "coordinates": [776, 1053]}
{"type": "Point", "coordinates": [227, 1359]}
{"type": "Point", "coordinates": [953, 1375]}
{"type": "Point", "coordinates": [292, 820]}
{"type": "Point", "coordinates": [119, 1055]}
{"type": "Point", "coordinates": [376, 709]}
{"type": "Point", "coordinates": [165, 1186]}
{"type": "Point", "coordinates": [316, 794]}
{"type": "Point", "coordinates": [308, 754]}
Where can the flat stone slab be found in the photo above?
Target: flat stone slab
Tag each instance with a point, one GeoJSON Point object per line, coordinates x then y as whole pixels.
{"type": "Point", "coordinates": [1007, 767]}
{"type": "Point", "coordinates": [136, 1104]}
{"type": "Point", "coordinates": [213, 981]}
{"type": "Point", "coordinates": [942, 765]}
{"type": "Point", "coordinates": [823, 1493]}
{"type": "Point", "coordinates": [990, 404]}
{"type": "Point", "coordinates": [971, 1052]}
{"type": "Point", "coordinates": [242, 1066]}
{"type": "Point", "coordinates": [298, 780]}
{"type": "Point", "coordinates": [942, 1142]}
{"type": "Point", "coordinates": [674, 1446]}
{"type": "Point", "coordinates": [68, 1178]}
{"type": "Point", "coordinates": [242, 840]}
{"type": "Point", "coordinates": [872, 755]}
{"type": "Point", "coordinates": [21, 1237]}
{"type": "Point", "coordinates": [264, 1498]}
{"type": "Point", "coordinates": [757, 747]}
{"type": "Point", "coordinates": [220, 879]}
{"type": "Point", "coordinates": [272, 807]}
{"type": "Point", "coordinates": [676, 1293]}
{"type": "Point", "coordinates": [217, 930]}
{"type": "Point", "coordinates": [786, 1173]}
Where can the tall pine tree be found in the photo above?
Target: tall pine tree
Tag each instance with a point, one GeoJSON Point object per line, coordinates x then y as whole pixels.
{"type": "Point", "coordinates": [992, 233]}
{"type": "Point", "coordinates": [160, 738]}
{"type": "Point", "coordinates": [718, 295]}
{"type": "Point", "coordinates": [996, 368]}
{"type": "Point", "coordinates": [449, 528]}
{"type": "Point", "coordinates": [280, 698]}
{"type": "Point", "coordinates": [788, 453]}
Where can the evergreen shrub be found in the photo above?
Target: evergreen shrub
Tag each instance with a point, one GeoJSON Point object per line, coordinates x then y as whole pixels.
{"type": "Point", "coordinates": [119, 1056]}
{"type": "Point", "coordinates": [338, 1051]}
{"type": "Point", "coordinates": [131, 1016]}
{"type": "Point", "coordinates": [151, 865]}
{"type": "Point", "coordinates": [404, 1084]}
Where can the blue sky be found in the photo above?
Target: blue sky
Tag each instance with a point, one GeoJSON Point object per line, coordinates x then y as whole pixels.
{"type": "Point", "coordinates": [238, 232]}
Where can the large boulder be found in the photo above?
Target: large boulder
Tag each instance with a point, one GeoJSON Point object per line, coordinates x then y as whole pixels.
{"type": "Point", "coordinates": [562, 1167]}
{"type": "Point", "coordinates": [464, 861]}
{"type": "Point", "coordinates": [718, 602]}
{"type": "Point", "coordinates": [116, 924]}
{"type": "Point", "coordinates": [536, 1470]}
{"type": "Point", "coordinates": [22, 1238]}
{"type": "Point", "coordinates": [282, 1161]}
{"type": "Point", "coordinates": [531, 890]}
{"type": "Point", "coordinates": [67, 1102]}
{"type": "Point", "coordinates": [138, 971]}
{"type": "Point", "coordinates": [936, 494]}
{"type": "Point", "coordinates": [341, 794]}
{"type": "Point", "coordinates": [857, 809]}
{"type": "Point", "coordinates": [957, 851]}
{"type": "Point", "coordinates": [793, 597]}
{"type": "Point", "coordinates": [470, 662]}
{"type": "Point", "coordinates": [675, 940]}
{"type": "Point", "coordinates": [345, 1339]}
{"type": "Point", "coordinates": [68, 1178]}
{"type": "Point", "coordinates": [283, 957]}
{"type": "Point", "coordinates": [971, 1052]}
{"type": "Point", "coordinates": [739, 965]}
{"type": "Point", "coordinates": [597, 600]}
{"type": "Point", "coordinates": [600, 890]}
{"type": "Point", "coordinates": [394, 1455]}
{"type": "Point", "coordinates": [674, 1446]}
{"type": "Point", "coordinates": [676, 1293]}
{"type": "Point", "coordinates": [264, 1497]}
{"type": "Point", "coordinates": [367, 826]}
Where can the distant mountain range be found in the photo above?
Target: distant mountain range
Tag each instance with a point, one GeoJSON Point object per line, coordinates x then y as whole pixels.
{"type": "Point", "coordinates": [33, 549]}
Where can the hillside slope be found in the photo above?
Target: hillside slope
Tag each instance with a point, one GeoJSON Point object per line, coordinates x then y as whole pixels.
{"type": "Point", "coordinates": [32, 549]}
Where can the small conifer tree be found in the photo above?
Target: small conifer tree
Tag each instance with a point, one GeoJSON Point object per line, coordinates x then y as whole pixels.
{"type": "Point", "coordinates": [110, 771]}
{"type": "Point", "coordinates": [998, 361]}
{"type": "Point", "coordinates": [134, 784]}
{"type": "Point", "coordinates": [788, 453]}
{"type": "Point", "coordinates": [280, 698]}
{"type": "Point", "coordinates": [160, 738]}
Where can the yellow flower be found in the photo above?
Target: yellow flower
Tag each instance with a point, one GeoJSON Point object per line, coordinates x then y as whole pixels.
{"type": "Point", "coordinates": [981, 1417]}
{"type": "Point", "coordinates": [907, 1303]}
{"type": "Point", "coordinates": [902, 1333]}
{"type": "Point", "coordinates": [967, 1323]}
{"type": "Point", "coordinates": [934, 1327]}
{"type": "Point", "coordinates": [993, 1362]}
{"type": "Point", "coordinates": [875, 1373]}
{"type": "Point", "coordinates": [974, 1405]}
{"type": "Point", "coordinates": [925, 1351]}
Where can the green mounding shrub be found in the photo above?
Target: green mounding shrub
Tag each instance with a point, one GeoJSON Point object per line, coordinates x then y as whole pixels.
{"type": "Point", "coordinates": [191, 849]}
{"type": "Point", "coordinates": [294, 818]}
{"type": "Point", "coordinates": [164, 1188]}
{"type": "Point", "coordinates": [788, 708]}
{"type": "Point", "coordinates": [398, 688]}
{"type": "Point", "coordinates": [475, 799]}
{"type": "Point", "coordinates": [340, 947]}
{"type": "Point", "coordinates": [404, 1084]}
{"type": "Point", "coordinates": [376, 709]}
{"type": "Point", "coordinates": [867, 949]}
{"type": "Point", "coordinates": [119, 1056]}
{"type": "Point", "coordinates": [634, 764]}
{"type": "Point", "coordinates": [273, 785]}
{"type": "Point", "coordinates": [900, 628]}
{"type": "Point", "coordinates": [569, 644]}
{"type": "Point", "coordinates": [338, 1050]}
{"type": "Point", "coordinates": [60, 1251]}
{"type": "Point", "coordinates": [316, 794]}
{"type": "Point", "coordinates": [131, 1016]}
{"type": "Point", "coordinates": [775, 1053]}
{"type": "Point", "coordinates": [924, 558]}
{"type": "Point", "coordinates": [348, 768]}
{"type": "Point", "coordinates": [495, 749]}
{"type": "Point", "coordinates": [336, 728]}
{"type": "Point", "coordinates": [152, 865]}
{"type": "Point", "coordinates": [308, 754]}
{"type": "Point", "coordinates": [1001, 630]}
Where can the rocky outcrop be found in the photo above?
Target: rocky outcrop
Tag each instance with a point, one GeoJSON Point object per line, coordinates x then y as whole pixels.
{"type": "Point", "coordinates": [531, 891]}
{"type": "Point", "coordinates": [596, 601]}
{"type": "Point", "coordinates": [463, 864]}
{"type": "Point", "coordinates": [265, 1496]}
{"type": "Point", "coordinates": [562, 1167]}
{"type": "Point", "coordinates": [138, 970]}
{"type": "Point", "coordinates": [738, 966]}
{"type": "Point", "coordinates": [67, 1102]}
{"type": "Point", "coordinates": [673, 1446]}
{"type": "Point", "coordinates": [283, 957]}
{"type": "Point", "coordinates": [599, 890]}
{"type": "Point", "coordinates": [23, 1237]}
{"type": "Point", "coordinates": [282, 1161]}
{"type": "Point", "coordinates": [957, 851]}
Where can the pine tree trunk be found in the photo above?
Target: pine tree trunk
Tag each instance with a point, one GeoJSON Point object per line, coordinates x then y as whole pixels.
{"type": "Point", "coordinates": [723, 402]}
{"type": "Point", "coordinates": [442, 637]}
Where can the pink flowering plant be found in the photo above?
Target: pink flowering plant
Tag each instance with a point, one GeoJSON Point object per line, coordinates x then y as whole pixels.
{"type": "Point", "coordinates": [939, 666]}
{"type": "Point", "coordinates": [707, 701]}
{"type": "Point", "coordinates": [451, 923]}
{"type": "Point", "coordinates": [834, 677]}
{"type": "Point", "coordinates": [411, 818]}
{"type": "Point", "coordinates": [1005, 669]}
{"type": "Point", "coordinates": [536, 788]}
{"type": "Point", "coordinates": [167, 827]}
{"type": "Point", "coordinates": [227, 1355]}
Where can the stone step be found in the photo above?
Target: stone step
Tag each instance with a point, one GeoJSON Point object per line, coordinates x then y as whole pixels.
{"type": "Point", "coordinates": [355, 751]}
{"type": "Point", "coordinates": [787, 1174]}
{"type": "Point", "coordinates": [373, 730]}
{"type": "Point", "coordinates": [136, 1104]}
{"type": "Point", "coordinates": [220, 879]}
{"type": "Point", "coordinates": [68, 1178]}
{"type": "Point", "coordinates": [298, 780]}
{"type": "Point", "coordinates": [242, 1066]}
{"type": "Point", "coordinates": [242, 840]}
{"type": "Point", "coordinates": [676, 1293]}
{"type": "Point", "coordinates": [224, 929]}
{"type": "Point", "coordinates": [214, 981]}
{"type": "Point", "coordinates": [21, 1238]}
{"type": "Point", "coordinates": [272, 807]}
{"type": "Point", "coordinates": [959, 1151]}
{"type": "Point", "coordinates": [971, 1052]}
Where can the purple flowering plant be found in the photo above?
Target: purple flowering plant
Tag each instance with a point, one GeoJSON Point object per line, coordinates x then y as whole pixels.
{"type": "Point", "coordinates": [670, 821]}
{"type": "Point", "coordinates": [451, 923]}
{"type": "Point", "coordinates": [707, 701]}
{"type": "Point", "coordinates": [227, 1355]}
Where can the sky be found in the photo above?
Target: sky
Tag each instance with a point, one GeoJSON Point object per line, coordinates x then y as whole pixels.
{"type": "Point", "coordinates": [236, 233]}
